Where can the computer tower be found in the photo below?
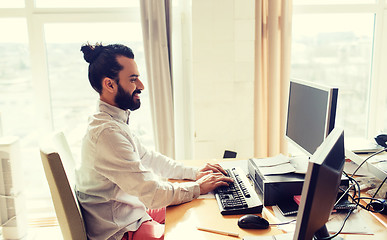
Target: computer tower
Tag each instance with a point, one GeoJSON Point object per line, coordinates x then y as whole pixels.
{"type": "Point", "coordinates": [12, 200]}
{"type": "Point", "coordinates": [272, 189]}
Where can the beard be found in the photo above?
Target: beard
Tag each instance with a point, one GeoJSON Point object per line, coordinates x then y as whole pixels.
{"type": "Point", "coordinates": [124, 100]}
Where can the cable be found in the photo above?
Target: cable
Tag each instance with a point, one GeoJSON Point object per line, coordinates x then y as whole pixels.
{"type": "Point", "coordinates": [356, 199]}
{"type": "Point", "coordinates": [351, 210]}
{"type": "Point", "coordinates": [380, 151]}
{"type": "Point", "coordinates": [356, 188]}
{"type": "Point", "coordinates": [282, 223]}
{"type": "Point", "coordinates": [380, 186]}
{"type": "Point", "coordinates": [341, 228]}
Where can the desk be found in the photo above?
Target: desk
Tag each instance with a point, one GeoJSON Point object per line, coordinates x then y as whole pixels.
{"type": "Point", "coordinates": [182, 220]}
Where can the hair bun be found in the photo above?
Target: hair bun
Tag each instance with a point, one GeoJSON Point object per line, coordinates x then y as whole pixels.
{"type": "Point", "coordinates": [90, 53]}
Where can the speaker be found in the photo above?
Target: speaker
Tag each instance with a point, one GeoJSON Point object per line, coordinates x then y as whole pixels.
{"type": "Point", "coordinates": [13, 217]}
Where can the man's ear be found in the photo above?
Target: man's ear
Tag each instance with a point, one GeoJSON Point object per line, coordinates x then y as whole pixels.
{"type": "Point", "coordinates": [109, 84]}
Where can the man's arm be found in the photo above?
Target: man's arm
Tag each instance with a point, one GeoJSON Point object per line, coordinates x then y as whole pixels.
{"type": "Point", "coordinates": [163, 165]}
{"type": "Point", "coordinates": [117, 162]}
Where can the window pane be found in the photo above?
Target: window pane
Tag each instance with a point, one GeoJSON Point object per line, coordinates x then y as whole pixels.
{"type": "Point", "coordinates": [336, 49]}
{"type": "Point", "coordinates": [73, 99]}
{"type": "Point", "coordinates": [11, 4]}
{"type": "Point", "coordinates": [86, 3]}
{"type": "Point", "coordinates": [15, 77]}
{"type": "Point", "coordinates": [332, 2]}
{"type": "Point", "coordinates": [17, 105]}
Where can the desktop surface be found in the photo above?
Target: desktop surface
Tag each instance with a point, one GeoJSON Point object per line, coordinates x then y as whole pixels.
{"type": "Point", "coordinates": [182, 220]}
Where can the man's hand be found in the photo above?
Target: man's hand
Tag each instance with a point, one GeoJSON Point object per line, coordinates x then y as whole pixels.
{"type": "Point", "coordinates": [211, 181]}
{"type": "Point", "coordinates": [210, 168]}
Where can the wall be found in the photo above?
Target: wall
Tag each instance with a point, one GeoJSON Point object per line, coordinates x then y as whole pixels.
{"type": "Point", "coordinates": [223, 77]}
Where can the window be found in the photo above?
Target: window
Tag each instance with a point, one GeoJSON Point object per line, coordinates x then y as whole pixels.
{"type": "Point", "coordinates": [11, 4]}
{"type": "Point", "coordinates": [44, 83]}
{"type": "Point", "coordinates": [86, 3]}
{"type": "Point", "coordinates": [339, 43]}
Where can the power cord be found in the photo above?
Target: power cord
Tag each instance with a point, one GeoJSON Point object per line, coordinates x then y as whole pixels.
{"type": "Point", "coordinates": [365, 160]}
{"type": "Point", "coordinates": [282, 223]}
{"type": "Point", "coordinates": [356, 189]}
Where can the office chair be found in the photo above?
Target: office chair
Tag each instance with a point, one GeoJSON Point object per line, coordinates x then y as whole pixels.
{"type": "Point", "coordinates": [59, 168]}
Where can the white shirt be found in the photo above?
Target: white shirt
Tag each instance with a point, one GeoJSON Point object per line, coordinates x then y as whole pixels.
{"type": "Point", "coordinates": [118, 178]}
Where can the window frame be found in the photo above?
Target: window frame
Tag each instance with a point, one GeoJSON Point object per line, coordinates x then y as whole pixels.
{"type": "Point", "coordinates": [376, 93]}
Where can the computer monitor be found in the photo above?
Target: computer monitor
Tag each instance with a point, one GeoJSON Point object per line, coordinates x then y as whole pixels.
{"type": "Point", "coordinates": [319, 192]}
{"type": "Point", "coordinates": [311, 114]}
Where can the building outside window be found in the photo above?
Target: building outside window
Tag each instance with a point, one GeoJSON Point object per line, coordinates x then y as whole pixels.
{"type": "Point", "coordinates": [339, 43]}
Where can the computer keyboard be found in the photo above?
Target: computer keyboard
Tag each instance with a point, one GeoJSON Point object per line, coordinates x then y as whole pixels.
{"type": "Point", "coordinates": [239, 197]}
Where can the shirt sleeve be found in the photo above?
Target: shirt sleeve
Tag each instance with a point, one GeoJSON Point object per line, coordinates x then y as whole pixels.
{"type": "Point", "coordinates": [119, 163]}
{"type": "Point", "coordinates": [163, 165]}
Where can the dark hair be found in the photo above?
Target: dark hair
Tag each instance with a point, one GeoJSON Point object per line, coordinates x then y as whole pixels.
{"type": "Point", "coordinates": [103, 62]}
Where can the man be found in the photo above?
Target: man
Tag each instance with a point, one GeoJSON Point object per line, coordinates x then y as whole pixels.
{"type": "Point", "coordinates": [118, 181]}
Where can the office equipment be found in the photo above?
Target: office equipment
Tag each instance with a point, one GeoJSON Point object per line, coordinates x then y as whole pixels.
{"type": "Point", "coordinates": [381, 139]}
{"type": "Point", "coordinates": [273, 189]}
{"type": "Point", "coordinates": [239, 197]}
{"type": "Point", "coordinates": [310, 118]}
{"type": "Point", "coordinates": [311, 114]}
{"type": "Point", "coordinates": [13, 214]}
{"type": "Point", "coordinates": [251, 221]}
{"type": "Point", "coordinates": [320, 189]}
{"type": "Point", "coordinates": [59, 169]}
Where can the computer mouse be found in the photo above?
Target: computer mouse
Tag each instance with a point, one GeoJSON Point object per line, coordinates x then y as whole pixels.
{"type": "Point", "coordinates": [251, 221]}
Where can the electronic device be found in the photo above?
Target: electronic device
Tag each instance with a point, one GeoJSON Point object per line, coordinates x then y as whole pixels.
{"type": "Point", "coordinates": [251, 221]}
{"type": "Point", "coordinates": [380, 206]}
{"type": "Point", "coordinates": [238, 197]}
{"type": "Point", "coordinates": [320, 189]}
{"type": "Point", "coordinates": [310, 118]}
{"type": "Point", "coordinates": [274, 189]}
{"type": "Point", "coordinates": [381, 140]}
{"type": "Point", "coordinates": [311, 114]}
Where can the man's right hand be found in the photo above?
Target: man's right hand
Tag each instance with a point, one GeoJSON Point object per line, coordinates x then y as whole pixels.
{"type": "Point", "coordinates": [212, 181]}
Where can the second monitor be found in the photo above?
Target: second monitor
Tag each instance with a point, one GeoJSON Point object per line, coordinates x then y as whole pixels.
{"type": "Point", "coordinates": [311, 114]}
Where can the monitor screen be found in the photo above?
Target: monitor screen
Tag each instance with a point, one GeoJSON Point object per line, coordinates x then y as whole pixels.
{"type": "Point", "coordinates": [319, 192]}
{"type": "Point", "coordinates": [311, 114]}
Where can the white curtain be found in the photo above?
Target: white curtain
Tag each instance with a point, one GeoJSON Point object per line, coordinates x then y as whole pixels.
{"type": "Point", "coordinates": [155, 17]}
{"type": "Point", "coordinates": [272, 72]}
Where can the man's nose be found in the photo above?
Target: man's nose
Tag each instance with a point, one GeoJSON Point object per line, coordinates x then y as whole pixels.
{"type": "Point", "coordinates": [139, 85]}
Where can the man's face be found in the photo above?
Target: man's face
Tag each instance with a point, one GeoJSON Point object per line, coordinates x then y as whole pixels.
{"type": "Point", "coordinates": [129, 86]}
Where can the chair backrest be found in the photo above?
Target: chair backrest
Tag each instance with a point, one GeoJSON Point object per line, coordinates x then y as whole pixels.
{"type": "Point", "coordinates": [60, 176]}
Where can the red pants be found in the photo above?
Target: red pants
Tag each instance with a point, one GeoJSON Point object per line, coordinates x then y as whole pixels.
{"type": "Point", "coordinates": [149, 230]}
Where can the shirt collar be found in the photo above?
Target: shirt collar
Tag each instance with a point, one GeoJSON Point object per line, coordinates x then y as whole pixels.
{"type": "Point", "coordinates": [114, 112]}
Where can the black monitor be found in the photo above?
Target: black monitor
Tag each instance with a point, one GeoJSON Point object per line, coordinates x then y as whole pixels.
{"type": "Point", "coordinates": [319, 192]}
{"type": "Point", "coordinates": [311, 114]}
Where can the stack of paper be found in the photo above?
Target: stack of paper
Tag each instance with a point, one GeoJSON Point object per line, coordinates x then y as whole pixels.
{"type": "Point", "coordinates": [279, 164]}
